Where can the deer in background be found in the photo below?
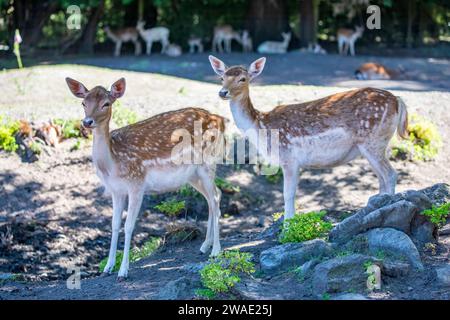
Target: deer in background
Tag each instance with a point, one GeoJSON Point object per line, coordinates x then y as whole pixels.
{"type": "Point", "coordinates": [120, 36]}
{"type": "Point", "coordinates": [157, 34]}
{"type": "Point", "coordinates": [376, 71]}
{"type": "Point", "coordinates": [195, 43]}
{"type": "Point", "coordinates": [276, 46]}
{"type": "Point", "coordinates": [322, 133]}
{"type": "Point", "coordinates": [139, 159]}
{"type": "Point", "coordinates": [347, 38]}
{"type": "Point", "coordinates": [224, 35]}
{"type": "Point", "coordinates": [247, 42]}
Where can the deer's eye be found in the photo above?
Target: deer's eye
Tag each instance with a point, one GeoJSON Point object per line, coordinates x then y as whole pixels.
{"type": "Point", "coordinates": [221, 78]}
{"type": "Point", "coordinates": [242, 80]}
{"type": "Point", "coordinates": [106, 105]}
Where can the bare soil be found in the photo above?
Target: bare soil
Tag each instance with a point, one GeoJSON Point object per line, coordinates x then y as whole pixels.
{"type": "Point", "coordinates": [59, 217]}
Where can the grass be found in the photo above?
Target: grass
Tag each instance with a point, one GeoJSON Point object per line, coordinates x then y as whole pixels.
{"type": "Point", "coordinates": [171, 207]}
{"type": "Point", "coordinates": [136, 254]}
{"type": "Point", "coordinates": [304, 227]}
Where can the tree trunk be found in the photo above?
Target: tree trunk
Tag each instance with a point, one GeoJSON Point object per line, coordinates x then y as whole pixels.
{"type": "Point", "coordinates": [411, 15]}
{"type": "Point", "coordinates": [266, 20]}
{"type": "Point", "coordinates": [308, 21]}
{"type": "Point", "coordinates": [88, 38]}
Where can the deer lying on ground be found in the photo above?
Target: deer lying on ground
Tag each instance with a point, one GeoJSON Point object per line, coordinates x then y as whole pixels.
{"type": "Point", "coordinates": [224, 35]}
{"type": "Point", "coordinates": [173, 50]}
{"type": "Point", "coordinates": [247, 42]}
{"type": "Point", "coordinates": [120, 36]}
{"type": "Point", "coordinates": [139, 159]}
{"type": "Point", "coordinates": [195, 43]}
{"type": "Point", "coordinates": [276, 46]}
{"type": "Point", "coordinates": [347, 38]}
{"type": "Point", "coordinates": [157, 34]}
{"type": "Point", "coordinates": [321, 133]}
{"type": "Point", "coordinates": [376, 71]}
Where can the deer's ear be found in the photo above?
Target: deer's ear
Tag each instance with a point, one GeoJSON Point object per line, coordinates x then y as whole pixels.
{"type": "Point", "coordinates": [118, 88]}
{"type": "Point", "coordinates": [256, 67]}
{"type": "Point", "coordinates": [77, 88]}
{"type": "Point", "coordinates": [218, 66]}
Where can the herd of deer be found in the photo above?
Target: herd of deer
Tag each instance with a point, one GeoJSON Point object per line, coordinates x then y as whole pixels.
{"type": "Point", "coordinates": [139, 158]}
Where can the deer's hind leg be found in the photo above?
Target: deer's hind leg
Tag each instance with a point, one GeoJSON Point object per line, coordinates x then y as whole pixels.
{"type": "Point", "coordinates": [203, 182]}
{"type": "Point", "coordinates": [386, 174]}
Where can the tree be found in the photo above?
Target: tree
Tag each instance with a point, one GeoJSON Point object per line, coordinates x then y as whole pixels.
{"type": "Point", "coordinates": [308, 21]}
{"type": "Point", "coordinates": [266, 19]}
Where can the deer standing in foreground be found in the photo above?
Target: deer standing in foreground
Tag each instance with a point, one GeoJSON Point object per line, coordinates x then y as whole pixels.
{"type": "Point", "coordinates": [120, 36]}
{"type": "Point", "coordinates": [347, 38]}
{"type": "Point", "coordinates": [322, 133]}
{"type": "Point", "coordinates": [139, 159]}
{"type": "Point", "coordinates": [157, 34]}
{"type": "Point", "coordinates": [276, 46]}
{"type": "Point", "coordinates": [376, 71]}
{"type": "Point", "coordinates": [223, 35]}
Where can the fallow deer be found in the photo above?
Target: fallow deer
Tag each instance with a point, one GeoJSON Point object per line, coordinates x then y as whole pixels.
{"type": "Point", "coordinates": [224, 35]}
{"type": "Point", "coordinates": [120, 36]}
{"type": "Point", "coordinates": [140, 158]}
{"type": "Point", "coordinates": [157, 34]}
{"type": "Point", "coordinates": [322, 133]}
{"type": "Point", "coordinates": [247, 42]}
{"type": "Point", "coordinates": [347, 38]}
{"type": "Point", "coordinates": [195, 43]}
{"type": "Point", "coordinates": [376, 71]}
{"type": "Point", "coordinates": [173, 50]}
{"type": "Point", "coordinates": [276, 46]}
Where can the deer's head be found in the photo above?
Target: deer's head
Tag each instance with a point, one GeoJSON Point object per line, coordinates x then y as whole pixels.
{"type": "Point", "coordinates": [235, 80]}
{"type": "Point", "coordinates": [97, 102]}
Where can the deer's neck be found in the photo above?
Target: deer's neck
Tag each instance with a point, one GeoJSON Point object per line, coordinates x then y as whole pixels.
{"type": "Point", "coordinates": [245, 115]}
{"type": "Point", "coordinates": [101, 149]}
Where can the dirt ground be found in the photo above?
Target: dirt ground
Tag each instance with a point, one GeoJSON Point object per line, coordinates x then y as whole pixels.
{"type": "Point", "coordinates": [61, 218]}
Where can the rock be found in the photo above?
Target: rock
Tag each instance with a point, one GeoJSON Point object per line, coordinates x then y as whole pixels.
{"type": "Point", "coordinates": [7, 276]}
{"type": "Point", "coordinates": [254, 289]}
{"type": "Point", "coordinates": [340, 274]}
{"type": "Point", "coordinates": [307, 267]}
{"type": "Point", "coordinates": [396, 243]}
{"type": "Point", "coordinates": [284, 257]}
{"type": "Point", "coordinates": [193, 267]}
{"type": "Point", "coordinates": [272, 231]}
{"type": "Point", "coordinates": [438, 193]}
{"type": "Point", "coordinates": [395, 268]}
{"type": "Point", "coordinates": [349, 296]}
{"type": "Point", "coordinates": [443, 276]}
{"type": "Point", "coordinates": [182, 288]}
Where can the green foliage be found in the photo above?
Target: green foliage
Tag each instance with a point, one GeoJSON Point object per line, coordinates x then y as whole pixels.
{"type": "Point", "coordinates": [275, 178]}
{"type": "Point", "coordinates": [188, 191]}
{"type": "Point", "coordinates": [76, 145]}
{"type": "Point", "coordinates": [35, 147]}
{"type": "Point", "coordinates": [205, 293]}
{"type": "Point", "coordinates": [171, 207]}
{"type": "Point", "coordinates": [226, 186]}
{"type": "Point", "coordinates": [438, 214]}
{"type": "Point", "coordinates": [222, 272]}
{"type": "Point", "coordinates": [136, 254]}
{"type": "Point", "coordinates": [122, 116]}
{"type": "Point", "coordinates": [70, 128]}
{"type": "Point", "coordinates": [423, 143]}
{"type": "Point", "coordinates": [303, 227]}
{"type": "Point", "coordinates": [8, 128]}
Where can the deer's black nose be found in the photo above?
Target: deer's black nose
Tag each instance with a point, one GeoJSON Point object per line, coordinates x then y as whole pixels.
{"type": "Point", "coordinates": [88, 122]}
{"type": "Point", "coordinates": [223, 93]}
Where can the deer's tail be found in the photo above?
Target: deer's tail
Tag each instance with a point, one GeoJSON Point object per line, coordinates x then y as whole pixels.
{"type": "Point", "coordinates": [402, 126]}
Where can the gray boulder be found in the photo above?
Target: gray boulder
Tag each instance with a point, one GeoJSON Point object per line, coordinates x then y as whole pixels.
{"type": "Point", "coordinates": [340, 274]}
{"type": "Point", "coordinates": [182, 288]}
{"type": "Point", "coordinates": [284, 257]}
{"type": "Point", "coordinates": [396, 243]}
{"type": "Point", "coordinates": [443, 276]}
{"type": "Point", "coordinates": [255, 289]}
{"type": "Point", "coordinates": [395, 268]}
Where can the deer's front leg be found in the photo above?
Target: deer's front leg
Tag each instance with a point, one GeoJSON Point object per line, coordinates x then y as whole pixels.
{"type": "Point", "coordinates": [134, 205]}
{"type": "Point", "coordinates": [118, 206]}
{"type": "Point", "coordinates": [290, 180]}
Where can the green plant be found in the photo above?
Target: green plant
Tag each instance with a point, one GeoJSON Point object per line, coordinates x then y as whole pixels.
{"type": "Point", "coordinates": [303, 227]}
{"type": "Point", "coordinates": [76, 145]}
{"type": "Point", "coordinates": [226, 186]}
{"type": "Point", "coordinates": [438, 214]}
{"type": "Point", "coordinates": [274, 178]}
{"type": "Point", "coordinates": [8, 129]}
{"type": "Point", "coordinates": [326, 296]}
{"type": "Point", "coordinates": [423, 143]}
{"type": "Point", "coordinates": [136, 254]}
{"type": "Point", "coordinates": [171, 207]}
{"type": "Point", "coordinates": [69, 128]}
{"type": "Point", "coordinates": [222, 272]}
{"type": "Point", "coordinates": [35, 147]}
{"type": "Point", "coordinates": [188, 191]}
{"type": "Point", "coordinates": [205, 293]}
{"type": "Point", "coordinates": [122, 116]}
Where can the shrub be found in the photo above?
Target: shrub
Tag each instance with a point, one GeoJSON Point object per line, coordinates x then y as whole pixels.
{"type": "Point", "coordinates": [171, 207]}
{"type": "Point", "coordinates": [222, 272]}
{"type": "Point", "coordinates": [122, 116]}
{"type": "Point", "coordinates": [423, 143]}
{"type": "Point", "coordinates": [438, 214]}
{"type": "Point", "coordinates": [226, 186]}
{"type": "Point", "coordinates": [136, 254]}
{"type": "Point", "coordinates": [69, 128]}
{"type": "Point", "coordinates": [303, 227]}
{"type": "Point", "coordinates": [8, 129]}
{"type": "Point", "coordinates": [273, 178]}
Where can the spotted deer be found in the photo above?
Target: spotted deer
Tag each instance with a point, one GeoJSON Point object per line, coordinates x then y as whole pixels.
{"type": "Point", "coordinates": [157, 34]}
{"type": "Point", "coordinates": [120, 36]}
{"type": "Point", "coordinates": [347, 38]}
{"type": "Point", "coordinates": [322, 133]}
{"type": "Point", "coordinates": [247, 42]}
{"type": "Point", "coordinates": [140, 158]}
{"type": "Point", "coordinates": [224, 35]}
{"type": "Point", "coordinates": [276, 46]}
{"type": "Point", "coordinates": [376, 71]}
{"type": "Point", "coordinates": [195, 43]}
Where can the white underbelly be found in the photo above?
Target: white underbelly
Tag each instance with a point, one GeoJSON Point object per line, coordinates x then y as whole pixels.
{"type": "Point", "coordinates": [158, 180]}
